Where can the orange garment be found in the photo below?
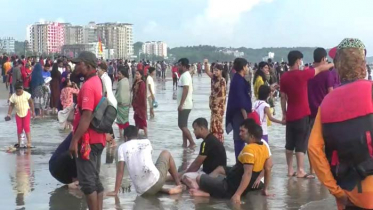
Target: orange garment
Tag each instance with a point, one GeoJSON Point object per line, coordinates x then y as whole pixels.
{"type": "Point", "coordinates": [322, 168]}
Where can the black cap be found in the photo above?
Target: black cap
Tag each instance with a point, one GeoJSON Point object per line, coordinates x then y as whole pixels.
{"type": "Point", "coordinates": [86, 57]}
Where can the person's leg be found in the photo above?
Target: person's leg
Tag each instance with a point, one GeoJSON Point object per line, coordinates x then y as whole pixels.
{"type": "Point", "coordinates": [301, 146]}
{"type": "Point", "coordinates": [180, 125]}
{"type": "Point", "coordinates": [19, 128]}
{"type": "Point", "coordinates": [26, 126]}
{"type": "Point", "coordinates": [190, 183]}
{"type": "Point", "coordinates": [218, 171]}
{"type": "Point", "coordinates": [120, 133]}
{"type": "Point", "coordinates": [145, 131]}
{"type": "Point", "coordinates": [289, 146]}
{"type": "Point", "coordinates": [99, 186]}
{"type": "Point", "coordinates": [188, 136]}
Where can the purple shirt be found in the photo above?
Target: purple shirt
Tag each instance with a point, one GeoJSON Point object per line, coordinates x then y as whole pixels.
{"type": "Point", "coordinates": [318, 89]}
{"type": "Point", "coordinates": [335, 78]}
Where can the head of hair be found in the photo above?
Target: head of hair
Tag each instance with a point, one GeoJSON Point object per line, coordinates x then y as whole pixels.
{"type": "Point", "coordinates": [319, 54]}
{"type": "Point", "coordinates": [22, 56]}
{"type": "Point", "coordinates": [219, 67]}
{"type": "Point", "coordinates": [103, 66]}
{"type": "Point", "coordinates": [263, 92]}
{"type": "Point", "coordinates": [123, 71]}
{"type": "Point", "coordinates": [239, 64]}
{"type": "Point", "coordinates": [59, 61]}
{"type": "Point", "coordinates": [184, 62]}
{"type": "Point", "coordinates": [293, 56]}
{"type": "Point", "coordinates": [47, 65]}
{"type": "Point", "coordinates": [351, 64]}
{"type": "Point", "coordinates": [260, 73]}
{"type": "Point", "coordinates": [151, 69]}
{"type": "Point", "coordinates": [131, 132]}
{"type": "Point", "coordinates": [18, 86]}
{"type": "Point", "coordinates": [201, 122]}
{"type": "Point", "coordinates": [253, 129]}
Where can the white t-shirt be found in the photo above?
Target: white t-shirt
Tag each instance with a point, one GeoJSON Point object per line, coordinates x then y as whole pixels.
{"type": "Point", "coordinates": [108, 88]}
{"type": "Point", "coordinates": [150, 81]}
{"type": "Point", "coordinates": [259, 107]}
{"type": "Point", "coordinates": [137, 154]}
{"type": "Point", "coordinates": [185, 80]}
{"type": "Point", "coordinates": [269, 152]}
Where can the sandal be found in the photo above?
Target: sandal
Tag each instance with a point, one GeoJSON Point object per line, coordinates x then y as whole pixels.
{"type": "Point", "coordinates": [307, 176]}
{"type": "Point", "coordinates": [294, 174]}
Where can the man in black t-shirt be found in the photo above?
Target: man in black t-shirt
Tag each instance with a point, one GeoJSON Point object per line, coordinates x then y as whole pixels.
{"type": "Point", "coordinates": [211, 155]}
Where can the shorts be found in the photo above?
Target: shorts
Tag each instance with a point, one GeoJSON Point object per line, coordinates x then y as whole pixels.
{"type": "Point", "coordinates": [89, 170]}
{"type": "Point", "coordinates": [63, 168]}
{"type": "Point", "coordinates": [215, 186]}
{"type": "Point", "coordinates": [162, 164]}
{"type": "Point", "coordinates": [297, 135]}
{"type": "Point", "coordinates": [150, 102]}
{"type": "Point", "coordinates": [182, 118]}
{"type": "Point", "coordinates": [193, 175]}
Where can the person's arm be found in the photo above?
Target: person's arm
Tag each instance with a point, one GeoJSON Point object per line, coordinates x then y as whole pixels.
{"type": "Point", "coordinates": [267, 174]}
{"type": "Point", "coordinates": [10, 110]}
{"type": "Point", "coordinates": [267, 111]}
{"type": "Point", "coordinates": [330, 89]}
{"type": "Point", "coordinates": [196, 165]}
{"type": "Point", "coordinates": [151, 91]}
{"type": "Point", "coordinates": [207, 70]}
{"type": "Point", "coordinates": [319, 161]}
{"type": "Point", "coordinates": [245, 181]}
{"type": "Point", "coordinates": [83, 126]}
{"type": "Point", "coordinates": [322, 68]}
{"type": "Point", "coordinates": [244, 114]}
{"type": "Point", "coordinates": [118, 179]}
{"type": "Point", "coordinates": [31, 104]}
{"type": "Point", "coordinates": [183, 96]}
{"type": "Point", "coordinates": [284, 99]}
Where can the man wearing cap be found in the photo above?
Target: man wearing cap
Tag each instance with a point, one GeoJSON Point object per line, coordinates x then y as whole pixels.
{"type": "Point", "coordinates": [340, 146]}
{"type": "Point", "coordinates": [88, 161]}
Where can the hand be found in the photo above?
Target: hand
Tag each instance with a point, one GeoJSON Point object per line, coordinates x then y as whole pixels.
{"type": "Point", "coordinates": [180, 108]}
{"type": "Point", "coordinates": [284, 117]}
{"type": "Point", "coordinates": [283, 122]}
{"type": "Point", "coordinates": [257, 183]}
{"type": "Point", "coordinates": [73, 149]}
{"type": "Point", "coordinates": [33, 114]}
{"type": "Point", "coordinates": [343, 200]}
{"type": "Point", "coordinates": [153, 98]}
{"type": "Point", "coordinates": [236, 199]}
{"type": "Point", "coordinates": [113, 193]}
{"type": "Point", "coordinates": [265, 193]}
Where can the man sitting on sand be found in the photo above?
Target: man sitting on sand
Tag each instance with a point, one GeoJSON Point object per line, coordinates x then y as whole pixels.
{"type": "Point", "coordinates": [243, 176]}
{"type": "Point", "coordinates": [147, 177]}
{"type": "Point", "coordinates": [211, 154]}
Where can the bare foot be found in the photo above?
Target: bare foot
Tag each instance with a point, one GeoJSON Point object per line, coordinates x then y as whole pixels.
{"type": "Point", "coordinates": [198, 193]}
{"type": "Point", "coordinates": [184, 145]}
{"type": "Point", "coordinates": [176, 190]}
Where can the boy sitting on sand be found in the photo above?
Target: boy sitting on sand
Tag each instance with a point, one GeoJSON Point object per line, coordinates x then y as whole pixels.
{"type": "Point", "coordinates": [147, 177]}
{"type": "Point", "coordinates": [237, 181]}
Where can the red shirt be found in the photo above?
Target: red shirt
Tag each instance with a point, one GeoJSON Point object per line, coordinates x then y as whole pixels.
{"type": "Point", "coordinates": [174, 70]}
{"type": "Point", "coordinates": [295, 85]}
{"type": "Point", "coordinates": [26, 76]}
{"type": "Point", "coordinates": [146, 70]}
{"type": "Point", "coordinates": [140, 66]}
{"type": "Point", "coordinates": [89, 96]}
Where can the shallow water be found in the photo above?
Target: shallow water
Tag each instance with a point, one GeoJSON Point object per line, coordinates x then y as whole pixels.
{"type": "Point", "coordinates": [27, 184]}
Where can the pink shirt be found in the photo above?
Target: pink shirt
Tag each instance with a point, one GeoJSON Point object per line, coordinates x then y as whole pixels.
{"type": "Point", "coordinates": [67, 96]}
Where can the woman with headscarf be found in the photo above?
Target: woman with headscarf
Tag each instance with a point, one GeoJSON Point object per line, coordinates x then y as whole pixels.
{"type": "Point", "coordinates": [239, 103]}
{"type": "Point", "coordinates": [139, 102]}
{"type": "Point", "coordinates": [340, 145]}
{"type": "Point", "coordinates": [55, 88]}
{"type": "Point", "coordinates": [217, 99]}
{"type": "Point", "coordinates": [261, 77]}
{"type": "Point", "coordinates": [124, 100]}
{"type": "Point", "coordinates": [36, 86]}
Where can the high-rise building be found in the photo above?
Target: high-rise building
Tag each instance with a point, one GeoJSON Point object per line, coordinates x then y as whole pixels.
{"type": "Point", "coordinates": [90, 33]}
{"type": "Point", "coordinates": [155, 48]}
{"type": "Point", "coordinates": [48, 37]}
{"type": "Point", "coordinates": [117, 36]}
{"type": "Point", "coordinates": [73, 34]}
{"type": "Point", "coordinates": [7, 45]}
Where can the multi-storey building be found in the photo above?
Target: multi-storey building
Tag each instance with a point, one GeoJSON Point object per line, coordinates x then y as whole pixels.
{"type": "Point", "coordinates": [73, 34]}
{"type": "Point", "coordinates": [46, 37]}
{"type": "Point", "coordinates": [7, 45]}
{"type": "Point", "coordinates": [155, 48]}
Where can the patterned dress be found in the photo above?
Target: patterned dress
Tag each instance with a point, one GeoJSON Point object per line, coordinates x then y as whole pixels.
{"type": "Point", "coordinates": [67, 96]}
{"type": "Point", "coordinates": [217, 106]}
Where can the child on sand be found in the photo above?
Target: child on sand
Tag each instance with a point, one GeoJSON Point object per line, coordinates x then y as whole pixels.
{"type": "Point", "coordinates": [147, 177]}
{"type": "Point", "coordinates": [22, 102]}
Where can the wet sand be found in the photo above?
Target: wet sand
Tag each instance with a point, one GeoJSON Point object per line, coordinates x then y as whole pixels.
{"type": "Point", "coordinates": [27, 184]}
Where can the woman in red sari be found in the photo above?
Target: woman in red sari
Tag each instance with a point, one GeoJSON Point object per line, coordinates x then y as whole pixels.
{"type": "Point", "coordinates": [139, 102]}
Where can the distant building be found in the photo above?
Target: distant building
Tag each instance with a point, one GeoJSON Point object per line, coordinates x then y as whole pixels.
{"type": "Point", "coordinates": [235, 53]}
{"type": "Point", "coordinates": [7, 45]}
{"type": "Point", "coordinates": [155, 48]}
{"type": "Point", "coordinates": [73, 50]}
{"type": "Point", "coordinates": [46, 37]}
{"type": "Point", "coordinates": [90, 33]}
{"type": "Point", "coordinates": [73, 34]}
{"type": "Point", "coordinates": [270, 55]}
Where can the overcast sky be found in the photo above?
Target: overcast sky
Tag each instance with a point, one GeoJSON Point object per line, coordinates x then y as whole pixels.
{"type": "Point", "coordinates": [248, 23]}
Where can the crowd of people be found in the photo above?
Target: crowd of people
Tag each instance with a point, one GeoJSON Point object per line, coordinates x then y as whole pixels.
{"type": "Point", "coordinates": [326, 108]}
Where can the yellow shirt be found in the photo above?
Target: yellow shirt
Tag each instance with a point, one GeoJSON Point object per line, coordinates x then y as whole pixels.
{"type": "Point", "coordinates": [255, 154]}
{"type": "Point", "coordinates": [7, 67]}
{"type": "Point", "coordinates": [257, 83]}
{"type": "Point", "coordinates": [21, 103]}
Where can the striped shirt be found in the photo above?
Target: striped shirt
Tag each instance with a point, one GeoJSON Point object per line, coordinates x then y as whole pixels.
{"type": "Point", "coordinates": [21, 103]}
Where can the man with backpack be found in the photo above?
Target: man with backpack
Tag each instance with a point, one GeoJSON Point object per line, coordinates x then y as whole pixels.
{"type": "Point", "coordinates": [87, 144]}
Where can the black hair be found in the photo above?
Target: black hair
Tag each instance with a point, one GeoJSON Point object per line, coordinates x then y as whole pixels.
{"type": "Point", "coordinates": [59, 61]}
{"type": "Point", "coordinates": [64, 84]}
{"type": "Point", "coordinates": [131, 132]}
{"type": "Point", "coordinates": [293, 56]}
{"type": "Point", "coordinates": [201, 122]}
{"type": "Point", "coordinates": [22, 56]}
{"type": "Point", "coordinates": [184, 62]}
{"type": "Point", "coordinates": [151, 69]}
{"type": "Point", "coordinates": [55, 72]}
{"type": "Point", "coordinates": [259, 72]}
{"type": "Point", "coordinates": [239, 64]}
{"type": "Point", "coordinates": [253, 129]}
{"type": "Point", "coordinates": [18, 86]}
{"type": "Point", "coordinates": [263, 92]}
{"type": "Point", "coordinates": [319, 54]}
{"type": "Point", "coordinates": [47, 65]}
{"type": "Point", "coordinates": [123, 71]}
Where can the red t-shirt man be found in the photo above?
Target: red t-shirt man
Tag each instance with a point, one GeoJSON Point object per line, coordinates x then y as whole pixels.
{"type": "Point", "coordinates": [89, 96]}
{"type": "Point", "coordinates": [295, 85]}
{"type": "Point", "coordinates": [140, 67]}
{"type": "Point", "coordinates": [175, 72]}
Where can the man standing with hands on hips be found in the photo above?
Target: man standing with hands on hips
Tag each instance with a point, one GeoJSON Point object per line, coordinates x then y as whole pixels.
{"type": "Point", "coordinates": [185, 101]}
{"type": "Point", "coordinates": [88, 156]}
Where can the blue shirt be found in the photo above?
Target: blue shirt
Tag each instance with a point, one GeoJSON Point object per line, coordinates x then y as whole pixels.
{"type": "Point", "coordinates": [238, 98]}
{"type": "Point", "coordinates": [46, 74]}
